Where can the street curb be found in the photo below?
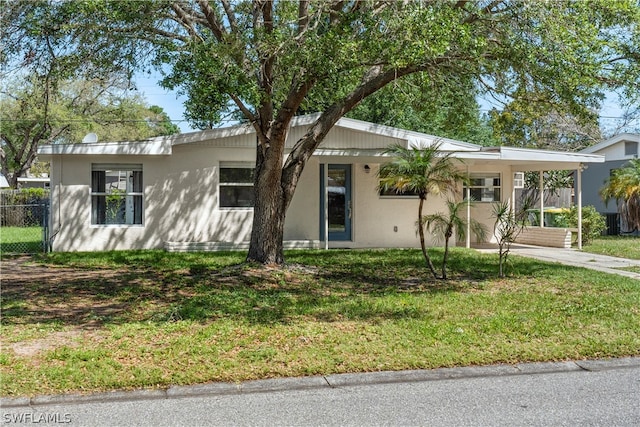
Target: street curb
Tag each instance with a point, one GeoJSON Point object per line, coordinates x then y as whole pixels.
{"type": "Point", "coordinates": [327, 381]}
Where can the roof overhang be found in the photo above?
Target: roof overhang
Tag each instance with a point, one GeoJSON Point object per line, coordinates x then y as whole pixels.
{"type": "Point", "coordinates": [521, 158]}
{"type": "Point", "coordinates": [152, 147]}
{"type": "Point", "coordinates": [526, 159]}
{"type": "Point", "coordinates": [631, 137]}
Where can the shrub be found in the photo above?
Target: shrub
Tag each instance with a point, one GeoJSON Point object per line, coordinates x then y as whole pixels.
{"type": "Point", "coordinates": [593, 223]}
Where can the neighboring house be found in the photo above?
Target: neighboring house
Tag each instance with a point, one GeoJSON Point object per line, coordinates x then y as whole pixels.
{"type": "Point", "coordinates": [3, 182]}
{"type": "Point", "coordinates": [617, 152]}
{"type": "Point", "coordinates": [33, 182]}
{"type": "Point", "coordinates": [194, 190]}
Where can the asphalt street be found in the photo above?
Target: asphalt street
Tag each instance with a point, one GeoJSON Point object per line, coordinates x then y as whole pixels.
{"type": "Point", "coordinates": [598, 393]}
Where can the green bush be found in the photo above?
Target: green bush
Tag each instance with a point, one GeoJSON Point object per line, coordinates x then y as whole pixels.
{"type": "Point", "coordinates": [593, 224]}
{"type": "Point", "coordinates": [25, 196]}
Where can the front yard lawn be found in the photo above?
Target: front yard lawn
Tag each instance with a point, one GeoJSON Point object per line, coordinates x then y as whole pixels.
{"type": "Point", "coordinates": [121, 320]}
{"type": "Point", "coordinates": [619, 246]}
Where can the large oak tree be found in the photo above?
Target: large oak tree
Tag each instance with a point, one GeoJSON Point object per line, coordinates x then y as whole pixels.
{"type": "Point", "coordinates": [269, 60]}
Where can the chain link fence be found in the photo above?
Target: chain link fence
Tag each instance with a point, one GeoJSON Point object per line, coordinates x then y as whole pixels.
{"type": "Point", "coordinates": [24, 216]}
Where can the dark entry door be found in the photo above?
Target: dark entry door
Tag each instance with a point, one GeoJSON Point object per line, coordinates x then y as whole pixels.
{"type": "Point", "coordinates": [339, 206]}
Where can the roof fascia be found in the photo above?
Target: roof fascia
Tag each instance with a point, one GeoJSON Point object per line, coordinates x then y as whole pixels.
{"type": "Point", "coordinates": [408, 135]}
{"type": "Point", "coordinates": [151, 147]}
{"type": "Point", "coordinates": [532, 155]}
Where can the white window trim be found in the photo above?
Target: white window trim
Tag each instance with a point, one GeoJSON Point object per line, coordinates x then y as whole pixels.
{"type": "Point", "coordinates": [234, 165]}
{"type": "Point", "coordinates": [485, 174]}
{"type": "Point", "coordinates": [119, 167]}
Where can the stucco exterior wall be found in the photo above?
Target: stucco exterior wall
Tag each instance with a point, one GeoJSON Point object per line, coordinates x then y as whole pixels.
{"type": "Point", "coordinates": [381, 222]}
{"type": "Point", "coordinates": [181, 204]}
{"type": "Point", "coordinates": [180, 201]}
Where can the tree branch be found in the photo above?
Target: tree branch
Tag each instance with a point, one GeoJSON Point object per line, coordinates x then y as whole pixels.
{"type": "Point", "coordinates": [230, 16]}
{"type": "Point", "coordinates": [185, 20]}
{"type": "Point", "coordinates": [212, 19]}
{"type": "Point", "coordinates": [303, 16]}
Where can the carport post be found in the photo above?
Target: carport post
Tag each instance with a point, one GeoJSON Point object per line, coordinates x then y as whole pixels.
{"type": "Point", "coordinates": [541, 188]}
{"type": "Point", "coordinates": [325, 177]}
{"type": "Point", "coordinates": [579, 197]}
{"type": "Point", "coordinates": [468, 245]}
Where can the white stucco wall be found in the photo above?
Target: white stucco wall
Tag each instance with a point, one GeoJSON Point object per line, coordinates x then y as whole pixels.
{"type": "Point", "coordinates": [181, 202]}
{"type": "Point", "coordinates": [386, 221]}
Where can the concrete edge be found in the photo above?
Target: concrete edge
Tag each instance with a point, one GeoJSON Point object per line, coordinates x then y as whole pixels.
{"type": "Point", "coordinates": [332, 381]}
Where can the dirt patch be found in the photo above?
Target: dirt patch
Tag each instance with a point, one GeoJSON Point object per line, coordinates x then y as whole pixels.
{"type": "Point", "coordinates": [41, 294]}
{"type": "Point", "coordinates": [22, 270]}
{"type": "Point", "coordinates": [35, 293]}
{"type": "Point", "coordinates": [31, 348]}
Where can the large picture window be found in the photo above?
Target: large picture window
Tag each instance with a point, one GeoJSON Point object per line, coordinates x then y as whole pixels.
{"type": "Point", "coordinates": [236, 185]}
{"type": "Point", "coordinates": [484, 187]}
{"type": "Point", "coordinates": [116, 194]}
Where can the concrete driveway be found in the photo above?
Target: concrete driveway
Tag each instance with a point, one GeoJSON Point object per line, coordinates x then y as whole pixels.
{"type": "Point", "coordinates": [573, 257]}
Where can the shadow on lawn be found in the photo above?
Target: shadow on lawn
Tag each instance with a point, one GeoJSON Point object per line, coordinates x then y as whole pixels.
{"type": "Point", "coordinates": [360, 286]}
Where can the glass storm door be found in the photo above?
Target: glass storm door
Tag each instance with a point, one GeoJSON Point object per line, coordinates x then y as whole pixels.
{"type": "Point", "coordinates": [338, 199]}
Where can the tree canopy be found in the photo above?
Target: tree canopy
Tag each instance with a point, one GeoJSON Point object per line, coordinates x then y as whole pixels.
{"type": "Point", "coordinates": [269, 60]}
{"type": "Point", "coordinates": [32, 113]}
{"type": "Point", "coordinates": [420, 104]}
{"type": "Point", "coordinates": [52, 91]}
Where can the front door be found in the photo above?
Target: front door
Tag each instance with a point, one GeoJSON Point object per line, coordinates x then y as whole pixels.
{"type": "Point", "coordinates": [338, 199]}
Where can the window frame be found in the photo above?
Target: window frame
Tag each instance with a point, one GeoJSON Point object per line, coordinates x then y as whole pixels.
{"type": "Point", "coordinates": [485, 176]}
{"type": "Point", "coordinates": [246, 184]}
{"type": "Point", "coordinates": [631, 148]}
{"type": "Point", "coordinates": [394, 195]}
{"type": "Point", "coordinates": [99, 193]}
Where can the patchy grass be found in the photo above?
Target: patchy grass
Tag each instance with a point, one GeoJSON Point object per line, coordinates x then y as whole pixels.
{"type": "Point", "coordinates": [619, 246]}
{"type": "Point", "coordinates": [150, 318]}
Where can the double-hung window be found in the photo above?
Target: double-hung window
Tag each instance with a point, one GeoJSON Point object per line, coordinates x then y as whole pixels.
{"type": "Point", "coordinates": [236, 185]}
{"type": "Point", "coordinates": [116, 194]}
{"type": "Point", "coordinates": [484, 187]}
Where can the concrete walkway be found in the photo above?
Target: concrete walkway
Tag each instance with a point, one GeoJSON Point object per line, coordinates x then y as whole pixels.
{"type": "Point", "coordinates": [574, 257]}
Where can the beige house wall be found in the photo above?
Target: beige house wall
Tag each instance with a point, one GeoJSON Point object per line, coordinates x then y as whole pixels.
{"type": "Point", "coordinates": [181, 179]}
{"type": "Point", "coordinates": [180, 201]}
{"type": "Point", "coordinates": [181, 204]}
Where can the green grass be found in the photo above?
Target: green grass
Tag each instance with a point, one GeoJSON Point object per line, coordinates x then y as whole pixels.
{"type": "Point", "coordinates": [152, 319]}
{"type": "Point", "coordinates": [619, 246]}
{"type": "Point", "coordinates": [20, 239]}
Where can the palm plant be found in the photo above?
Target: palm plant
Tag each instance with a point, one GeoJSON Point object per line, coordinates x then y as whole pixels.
{"type": "Point", "coordinates": [422, 172]}
{"type": "Point", "coordinates": [507, 227]}
{"type": "Point", "coordinates": [624, 185]}
{"type": "Point", "coordinates": [445, 225]}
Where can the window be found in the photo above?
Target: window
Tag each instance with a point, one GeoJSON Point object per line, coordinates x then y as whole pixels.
{"type": "Point", "coordinates": [236, 186]}
{"type": "Point", "coordinates": [116, 194]}
{"type": "Point", "coordinates": [630, 148]}
{"type": "Point", "coordinates": [518, 180]}
{"type": "Point", "coordinates": [484, 187]}
{"type": "Point", "coordinates": [390, 192]}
